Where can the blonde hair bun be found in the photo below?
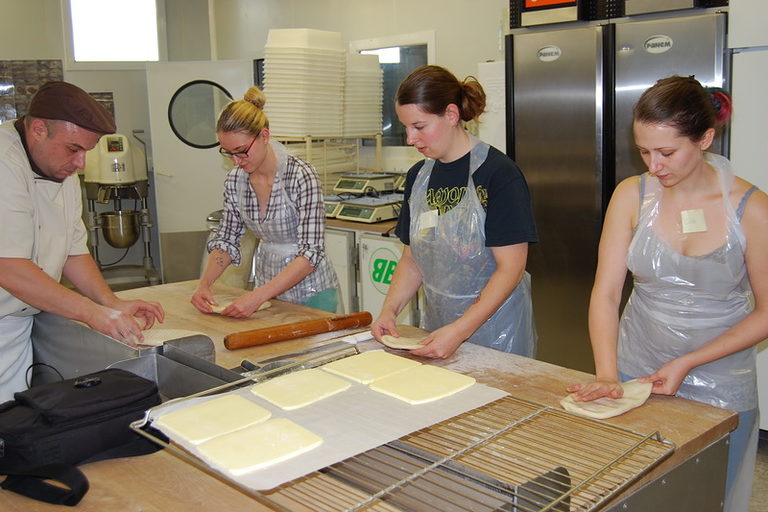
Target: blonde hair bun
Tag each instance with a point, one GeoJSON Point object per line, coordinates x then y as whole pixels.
{"type": "Point", "coordinates": [255, 96]}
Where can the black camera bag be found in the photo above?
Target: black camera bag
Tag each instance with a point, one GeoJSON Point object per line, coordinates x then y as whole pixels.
{"type": "Point", "coordinates": [48, 429]}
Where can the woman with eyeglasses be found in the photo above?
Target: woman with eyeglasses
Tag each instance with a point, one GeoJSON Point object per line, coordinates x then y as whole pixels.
{"type": "Point", "coordinates": [280, 199]}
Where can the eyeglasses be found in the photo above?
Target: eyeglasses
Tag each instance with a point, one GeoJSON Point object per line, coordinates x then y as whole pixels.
{"type": "Point", "coordinates": [241, 154]}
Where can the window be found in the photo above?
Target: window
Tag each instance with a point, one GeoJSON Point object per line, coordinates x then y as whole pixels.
{"type": "Point", "coordinates": [398, 56]}
{"type": "Point", "coordinates": [113, 30]}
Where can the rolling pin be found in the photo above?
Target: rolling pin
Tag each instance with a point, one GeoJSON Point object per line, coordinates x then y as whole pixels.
{"type": "Point", "coordinates": [253, 337]}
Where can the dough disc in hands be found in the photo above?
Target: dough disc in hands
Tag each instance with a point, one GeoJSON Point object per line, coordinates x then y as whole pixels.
{"type": "Point", "coordinates": [223, 305]}
{"type": "Point", "coordinates": [158, 336]}
{"type": "Point", "coordinates": [403, 342]}
{"type": "Point", "coordinates": [635, 395]}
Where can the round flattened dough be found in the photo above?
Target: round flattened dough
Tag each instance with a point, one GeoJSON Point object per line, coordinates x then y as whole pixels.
{"type": "Point", "coordinates": [635, 395]}
{"type": "Point", "coordinates": [221, 307]}
{"type": "Point", "coordinates": [157, 336]}
{"type": "Point", "coordinates": [403, 342]}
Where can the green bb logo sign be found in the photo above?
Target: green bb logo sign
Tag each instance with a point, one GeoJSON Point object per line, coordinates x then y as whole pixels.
{"type": "Point", "coordinates": [381, 268]}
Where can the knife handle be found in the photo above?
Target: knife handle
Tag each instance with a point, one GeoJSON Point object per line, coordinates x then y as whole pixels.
{"type": "Point", "coordinates": [265, 335]}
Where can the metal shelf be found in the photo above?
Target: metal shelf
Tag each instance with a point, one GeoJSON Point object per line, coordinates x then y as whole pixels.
{"type": "Point", "coordinates": [332, 156]}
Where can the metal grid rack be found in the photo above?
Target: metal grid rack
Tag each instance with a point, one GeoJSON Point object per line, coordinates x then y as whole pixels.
{"type": "Point", "coordinates": [508, 456]}
{"type": "Point", "coordinates": [511, 455]}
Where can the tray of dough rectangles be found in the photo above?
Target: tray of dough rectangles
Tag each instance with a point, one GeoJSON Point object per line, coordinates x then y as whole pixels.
{"type": "Point", "coordinates": [346, 422]}
{"type": "Point", "coordinates": [365, 446]}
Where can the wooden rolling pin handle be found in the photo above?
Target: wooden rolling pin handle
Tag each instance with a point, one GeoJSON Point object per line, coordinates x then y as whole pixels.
{"type": "Point", "coordinates": [296, 330]}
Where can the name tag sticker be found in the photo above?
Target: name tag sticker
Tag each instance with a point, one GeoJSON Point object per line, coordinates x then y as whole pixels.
{"type": "Point", "coordinates": [693, 221]}
{"type": "Point", "coordinates": [428, 219]}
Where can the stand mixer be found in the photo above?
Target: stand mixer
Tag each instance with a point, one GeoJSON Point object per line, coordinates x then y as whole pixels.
{"type": "Point", "coordinates": [116, 171]}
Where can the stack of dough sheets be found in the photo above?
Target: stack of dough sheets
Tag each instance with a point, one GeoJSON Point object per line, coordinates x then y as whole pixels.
{"type": "Point", "coordinates": [400, 377]}
{"type": "Point", "coordinates": [297, 389]}
{"type": "Point", "coordinates": [370, 366]}
{"type": "Point", "coordinates": [203, 421]}
{"type": "Point", "coordinates": [259, 446]}
{"type": "Point", "coordinates": [422, 384]}
{"type": "Point", "coordinates": [236, 435]}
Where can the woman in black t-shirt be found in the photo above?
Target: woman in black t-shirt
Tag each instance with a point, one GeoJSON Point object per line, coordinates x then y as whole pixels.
{"type": "Point", "coordinates": [466, 224]}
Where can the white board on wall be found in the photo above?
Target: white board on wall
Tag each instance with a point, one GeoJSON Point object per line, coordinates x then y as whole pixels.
{"type": "Point", "coordinates": [746, 23]}
{"type": "Point", "coordinates": [749, 152]}
{"type": "Point", "coordinates": [493, 123]}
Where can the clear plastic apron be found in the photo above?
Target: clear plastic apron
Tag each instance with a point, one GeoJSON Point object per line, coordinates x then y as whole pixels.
{"type": "Point", "coordinates": [456, 265]}
{"type": "Point", "coordinates": [680, 303]}
{"type": "Point", "coordinates": [278, 238]}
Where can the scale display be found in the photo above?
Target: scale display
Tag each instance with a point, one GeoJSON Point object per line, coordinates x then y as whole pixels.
{"type": "Point", "coordinates": [371, 209]}
{"type": "Point", "coordinates": [332, 208]}
{"type": "Point", "coordinates": [332, 204]}
{"type": "Point", "coordinates": [362, 183]}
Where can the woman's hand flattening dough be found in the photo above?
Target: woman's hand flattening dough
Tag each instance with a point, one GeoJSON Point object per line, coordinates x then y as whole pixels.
{"type": "Point", "coordinates": [596, 389]}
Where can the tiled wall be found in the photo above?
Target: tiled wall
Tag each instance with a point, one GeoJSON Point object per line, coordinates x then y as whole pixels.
{"type": "Point", "coordinates": [20, 79]}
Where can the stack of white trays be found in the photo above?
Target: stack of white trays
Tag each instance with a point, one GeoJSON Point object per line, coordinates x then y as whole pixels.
{"type": "Point", "coordinates": [304, 82]}
{"type": "Point", "coordinates": [363, 96]}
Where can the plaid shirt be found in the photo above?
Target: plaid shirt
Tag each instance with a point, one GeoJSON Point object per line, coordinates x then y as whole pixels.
{"type": "Point", "coordinates": [302, 186]}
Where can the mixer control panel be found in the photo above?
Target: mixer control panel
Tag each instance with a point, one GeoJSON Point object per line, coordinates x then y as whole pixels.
{"type": "Point", "coordinates": [115, 144]}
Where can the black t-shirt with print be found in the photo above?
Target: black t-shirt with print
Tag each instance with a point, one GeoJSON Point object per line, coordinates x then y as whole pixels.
{"type": "Point", "coordinates": [502, 190]}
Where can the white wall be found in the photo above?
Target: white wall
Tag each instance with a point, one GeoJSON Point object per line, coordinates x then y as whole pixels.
{"type": "Point", "coordinates": [30, 29]}
{"type": "Point", "coordinates": [467, 31]}
{"type": "Point", "coordinates": [189, 31]}
{"type": "Point", "coordinates": [241, 26]}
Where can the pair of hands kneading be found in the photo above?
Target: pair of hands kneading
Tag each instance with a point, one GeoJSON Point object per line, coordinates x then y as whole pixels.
{"type": "Point", "coordinates": [635, 393]}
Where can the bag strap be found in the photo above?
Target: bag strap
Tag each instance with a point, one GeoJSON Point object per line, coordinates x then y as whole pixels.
{"type": "Point", "coordinates": [33, 485]}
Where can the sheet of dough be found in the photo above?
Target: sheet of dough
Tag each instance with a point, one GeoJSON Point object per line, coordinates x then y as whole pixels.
{"type": "Point", "coordinates": [402, 342]}
{"type": "Point", "coordinates": [259, 446]}
{"type": "Point", "coordinates": [635, 395]}
{"type": "Point", "coordinates": [370, 366]}
{"type": "Point", "coordinates": [297, 389]}
{"type": "Point", "coordinates": [158, 336]}
{"type": "Point", "coordinates": [203, 421]}
{"type": "Point", "coordinates": [223, 303]}
{"type": "Point", "coordinates": [422, 384]}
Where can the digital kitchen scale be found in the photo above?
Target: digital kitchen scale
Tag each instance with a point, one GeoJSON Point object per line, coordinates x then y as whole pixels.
{"type": "Point", "coordinates": [361, 183]}
{"type": "Point", "coordinates": [371, 209]}
{"type": "Point", "coordinates": [332, 204]}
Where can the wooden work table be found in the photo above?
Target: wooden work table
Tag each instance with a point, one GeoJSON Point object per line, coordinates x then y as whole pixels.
{"type": "Point", "coordinates": [161, 482]}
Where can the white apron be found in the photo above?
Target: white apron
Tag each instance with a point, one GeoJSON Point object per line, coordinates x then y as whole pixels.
{"type": "Point", "coordinates": [456, 265]}
{"type": "Point", "coordinates": [52, 240]}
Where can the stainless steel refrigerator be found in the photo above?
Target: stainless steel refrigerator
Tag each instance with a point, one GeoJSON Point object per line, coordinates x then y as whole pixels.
{"type": "Point", "coordinates": [571, 90]}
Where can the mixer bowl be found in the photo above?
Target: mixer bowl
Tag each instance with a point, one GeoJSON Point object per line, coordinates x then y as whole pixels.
{"type": "Point", "coordinates": [121, 228]}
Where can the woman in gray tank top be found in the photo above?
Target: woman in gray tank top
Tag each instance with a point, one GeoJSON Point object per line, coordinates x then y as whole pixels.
{"type": "Point", "coordinates": [694, 237]}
